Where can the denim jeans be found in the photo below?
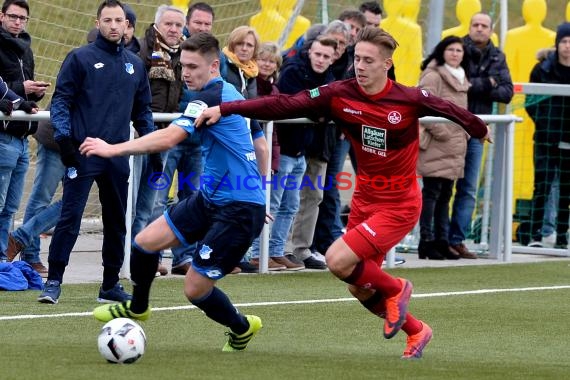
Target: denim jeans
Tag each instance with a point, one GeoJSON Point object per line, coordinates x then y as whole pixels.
{"type": "Point", "coordinates": [329, 225]}
{"type": "Point", "coordinates": [546, 169]}
{"type": "Point", "coordinates": [434, 218]}
{"type": "Point", "coordinates": [144, 193]}
{"type": "Point", "coordinates": [14, 162]}
{"type": "Point", "coordinates": [40, 215]}
{"type": "Point", "coordinates": [466, 193]}
{"type": "Point", "coordinates": [29, 233]}
{"type": "Point", "coordinates": [551, 208]}
{"type": "Point", "coordinates": [185, 157]}
{"type": "Point", "coordinates": [283, 204]}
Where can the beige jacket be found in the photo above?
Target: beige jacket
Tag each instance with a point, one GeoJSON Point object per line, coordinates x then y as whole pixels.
{"type": "Point", "coordinates": [443, 145]}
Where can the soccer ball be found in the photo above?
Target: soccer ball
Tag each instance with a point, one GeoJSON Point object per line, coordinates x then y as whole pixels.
{"type": "Point", "coordinates": [122, 341]}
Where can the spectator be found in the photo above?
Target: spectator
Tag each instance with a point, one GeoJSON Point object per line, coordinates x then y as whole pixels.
{"type": "Point", "coordinates": [17, 70]}
{"type": "Point", "coordinates": [490, 82]}
{"type": "Point", "coordinates": [373, 13]}
{"type": "Point", "coordinates": [199, 18]}
{"type": "Point", "coordinates": [87, 103]}
{"type": "Point", "coordinates": [10, 101]}
{"type": "Point", "coordinates": [185, 157]}
{"type": "Point", "coordinates": [238, 67]}
{"type": "Point", "coordinates": [41, 215]}
{"type": "Point", "coordinates": [303, 41]}
{"type": "Point", "coordinates": [318, 148]}
{"type": "Point", "coordinates": [442, 147]}
{"type": "Point", "coordinates": [307, 70]}
{"type": "Point", "coordinates": [160, 52]}
{"type": "Point", "coordinates": [329, 226]}
{"type": "Point", "coordinates": [269, 60]}
{"type": "Point", "coordinates": [131, 42]}
{"type": "Point", "coordinates": [551, 116]}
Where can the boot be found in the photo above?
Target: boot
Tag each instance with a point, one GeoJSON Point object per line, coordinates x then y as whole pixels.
{"type": "Point", "coordinates": [442, 246]}
{"type": "Point", "coordinates": [427, 250]}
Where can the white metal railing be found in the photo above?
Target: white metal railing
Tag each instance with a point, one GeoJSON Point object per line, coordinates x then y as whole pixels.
{"type": "Point", "coordinates": [500, 189]}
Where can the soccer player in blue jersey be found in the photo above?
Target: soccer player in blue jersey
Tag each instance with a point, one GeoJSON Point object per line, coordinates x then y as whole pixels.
{"type": "Point", "coordinates": [224, 216]}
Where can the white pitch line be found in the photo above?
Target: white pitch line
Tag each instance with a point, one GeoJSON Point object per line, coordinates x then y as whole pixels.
{"type": "Point", "coordinates": [326, 300]}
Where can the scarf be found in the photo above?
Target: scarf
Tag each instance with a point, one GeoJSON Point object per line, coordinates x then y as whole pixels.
{"type": "Point", "coordinates": [458, 72]}
{"type": "Point", "coordinates": [249, 68]}
{"type": "Point", "coordinates": [161, 61]}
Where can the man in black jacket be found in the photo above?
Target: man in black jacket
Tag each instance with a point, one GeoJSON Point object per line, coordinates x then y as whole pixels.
{"type": "Point", "coordinates": [17, 70]}
{"type": "Point", "coordinates": [551, 116]}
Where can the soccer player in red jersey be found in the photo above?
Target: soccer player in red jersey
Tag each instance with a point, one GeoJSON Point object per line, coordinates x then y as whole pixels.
{"type": "Point", "coordinates": [380, 117]}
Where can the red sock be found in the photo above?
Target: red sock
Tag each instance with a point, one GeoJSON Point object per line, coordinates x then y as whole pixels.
{"type": "Point", "coordinates": [368, 274]}
{"type": "Point", "coordinates": [376, 305]}
{"type": "Point", "coordinates": [412, 325]}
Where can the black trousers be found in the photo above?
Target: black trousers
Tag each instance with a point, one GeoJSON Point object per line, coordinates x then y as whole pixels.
{"type": "Point", "coordinates": [111, 176]}
{"type": "Point", "coordinates": [434, 218]}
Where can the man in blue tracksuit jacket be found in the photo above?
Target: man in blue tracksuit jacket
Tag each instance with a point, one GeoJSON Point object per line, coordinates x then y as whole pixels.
{"type": "Point", "coordinates": [100, 88]}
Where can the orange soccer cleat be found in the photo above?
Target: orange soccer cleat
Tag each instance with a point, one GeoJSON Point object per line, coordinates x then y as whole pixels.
{"type": "Point", "coordinates": [416, 343]}
{"type": "Point", "coordinates": [396, 309]}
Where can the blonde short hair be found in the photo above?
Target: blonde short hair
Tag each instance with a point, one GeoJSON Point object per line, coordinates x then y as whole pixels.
{"type": "Point", "coordinates": [272, 51]}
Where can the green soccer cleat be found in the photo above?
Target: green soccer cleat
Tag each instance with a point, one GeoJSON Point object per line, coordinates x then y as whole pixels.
{"type": "Point", "coordinates": [239, 342]}
{"type": "Point", "coordinates": [108, 312]}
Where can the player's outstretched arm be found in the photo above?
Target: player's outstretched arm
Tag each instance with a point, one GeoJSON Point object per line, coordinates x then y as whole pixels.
{"type": "Point", "coordinates": [209, 116]}
{"type": "Point", "coordinates": [154, 142]}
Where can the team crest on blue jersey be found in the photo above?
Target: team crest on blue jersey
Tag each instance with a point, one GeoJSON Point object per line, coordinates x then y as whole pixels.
{"type": "Point", "coordinates": [129, 68]}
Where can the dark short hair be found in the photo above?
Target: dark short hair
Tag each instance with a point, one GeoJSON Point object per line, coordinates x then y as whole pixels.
{"type": "Point", "coordinates": [353, 14]}
{"type": "Point", "coordinates": [19, 3]}
{"type": "Point", "coordinates": [200, 7]}
{"type": "Point", "coordinates": [439, 50]}
{"type": "Point", "coordinates": [110, 4]}
{"type": "Point", "coordinates": [203, 43]}
{"type": "Point", "coordinates": [371, 6]}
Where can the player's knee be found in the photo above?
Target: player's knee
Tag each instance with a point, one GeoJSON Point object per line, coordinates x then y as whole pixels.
{"type": "Point", "coordinates": [336, 264]}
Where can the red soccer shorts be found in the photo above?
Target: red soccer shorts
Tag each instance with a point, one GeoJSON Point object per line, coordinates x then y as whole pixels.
{"type": "Point", "coordinates": [374, 231]}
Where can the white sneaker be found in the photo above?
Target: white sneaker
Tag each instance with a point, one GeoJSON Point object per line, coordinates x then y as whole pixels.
{"type": "Point", "coordinates": [535, 244]}
{"type": "Point", "coordinates": [318, 256]}
{"type": "Point", "coordinates": [549, 241]}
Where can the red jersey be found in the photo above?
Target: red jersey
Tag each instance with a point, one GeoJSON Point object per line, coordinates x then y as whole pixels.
{"type": "Point", "coordinates": [383, 129]}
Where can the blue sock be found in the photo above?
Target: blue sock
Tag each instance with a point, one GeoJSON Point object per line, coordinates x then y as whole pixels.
{"type": "Point", "coordinates": [219, 308]}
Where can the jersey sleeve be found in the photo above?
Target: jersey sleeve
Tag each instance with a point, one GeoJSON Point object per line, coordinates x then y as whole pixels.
{"type": "Point", "coordinates": [432, 105]}
{"type": "Point", "coordinates": [307, 103]}
{"type": "Point", "coordinates": [191, 113]}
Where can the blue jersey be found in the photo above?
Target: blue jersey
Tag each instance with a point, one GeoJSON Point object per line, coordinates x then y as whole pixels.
{"type": "Point", "coordinates": [230, 167]}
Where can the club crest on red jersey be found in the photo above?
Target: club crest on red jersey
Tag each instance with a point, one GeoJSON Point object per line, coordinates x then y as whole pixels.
{"type": "Point", "coordinates": [394, 117]}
